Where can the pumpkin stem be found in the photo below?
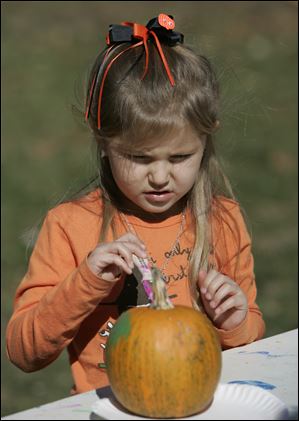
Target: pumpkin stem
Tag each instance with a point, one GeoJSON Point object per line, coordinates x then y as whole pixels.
{"type": "Point", "coordinates": [161, 300]}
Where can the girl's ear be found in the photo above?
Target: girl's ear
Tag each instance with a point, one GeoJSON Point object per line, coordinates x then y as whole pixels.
{"type": "Point", "coordinates": [217, 125]}
{"type": "Point", "coordinates": [104, 150]}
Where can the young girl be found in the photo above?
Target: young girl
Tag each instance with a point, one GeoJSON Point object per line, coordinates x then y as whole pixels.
{"type": "Point", "coordinates": [152, 105]}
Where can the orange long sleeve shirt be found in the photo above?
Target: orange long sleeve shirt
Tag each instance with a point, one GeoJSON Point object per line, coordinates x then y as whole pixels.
{"type": "Point", "coordinates": [60, 303]}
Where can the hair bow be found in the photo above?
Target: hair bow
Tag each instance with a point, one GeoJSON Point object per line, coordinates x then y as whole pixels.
{"type": "Point", "coordinates": [162, 26]}
{"type": "Point", "coordinates": [159, 28]}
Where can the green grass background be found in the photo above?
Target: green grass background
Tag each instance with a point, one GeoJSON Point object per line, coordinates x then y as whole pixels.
{"type": "Point", "coordinates": [47, 48]}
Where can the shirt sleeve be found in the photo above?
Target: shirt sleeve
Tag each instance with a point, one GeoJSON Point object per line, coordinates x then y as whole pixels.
{"type": "Point", "coordinates": [233, 254]}
{"type": "Point", "coordinates": [53, 299]}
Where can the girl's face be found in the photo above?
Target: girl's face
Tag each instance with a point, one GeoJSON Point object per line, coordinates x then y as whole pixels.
{"type": "Point", "coordinates": [155, 177]}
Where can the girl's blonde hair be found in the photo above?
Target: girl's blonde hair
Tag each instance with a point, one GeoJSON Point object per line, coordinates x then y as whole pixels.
{"type": "Point", "coordinates": [138, 110]}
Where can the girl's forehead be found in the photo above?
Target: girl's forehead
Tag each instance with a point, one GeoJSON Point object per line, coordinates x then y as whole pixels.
{"type": "Point", "coordinates": [182, 139]}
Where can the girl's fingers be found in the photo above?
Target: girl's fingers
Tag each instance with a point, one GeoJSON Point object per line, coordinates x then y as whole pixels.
{"type": "Point", "coordinates": [231, 302]}
{"type": "Point", "coordinates": [135, 249]}
{"type": "Point", "coordinates": [215, 283]}
{"type": "Point", "coordinates": [201, 277]}
{"type": "Point", "coordinates": [114, 259]}
{"type": "Point", "coordinates": [222, 298]}
{"type": "Point", "coordinates": [205, 282]}
{"type": "Point", "coordinates": [125, 250]}
{"type": "Point", "coordinates": [224, 290]}
{"type": "Point", "coordinates": [122, 251]}
{"type": "Point", "coordinates": [117, 253]}
{"type": "Point", "coordinates": [225, 306]}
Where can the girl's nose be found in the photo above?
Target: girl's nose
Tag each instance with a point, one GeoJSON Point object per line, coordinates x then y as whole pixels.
{"type": "Point", "coordinates": [159, 174]}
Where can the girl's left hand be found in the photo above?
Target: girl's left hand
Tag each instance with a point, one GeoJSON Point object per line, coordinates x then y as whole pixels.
{"type": "Point", "coordinates": [224, 301]}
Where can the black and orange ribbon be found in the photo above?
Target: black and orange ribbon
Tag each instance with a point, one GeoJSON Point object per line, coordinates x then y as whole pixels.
{"type": "Point", "coordinates": [160, 29]}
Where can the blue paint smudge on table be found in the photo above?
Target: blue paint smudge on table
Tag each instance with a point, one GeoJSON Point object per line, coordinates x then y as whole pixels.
{"type": "Point", "coordinates": [258, 383]}
{"type": "Point", "coordinates": [266, 353]}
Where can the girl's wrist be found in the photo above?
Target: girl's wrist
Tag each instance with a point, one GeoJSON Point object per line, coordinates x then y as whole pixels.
{"type": "Point", "coordinates": [91, 265]}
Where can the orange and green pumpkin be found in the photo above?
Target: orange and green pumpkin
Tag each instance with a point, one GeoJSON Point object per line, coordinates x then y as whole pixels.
{"type": "Point", "coordinates": [163, 361]}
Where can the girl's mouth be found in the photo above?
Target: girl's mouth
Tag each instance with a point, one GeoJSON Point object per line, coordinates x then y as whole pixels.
{"type": "Point", "coordinates": [158, 196]}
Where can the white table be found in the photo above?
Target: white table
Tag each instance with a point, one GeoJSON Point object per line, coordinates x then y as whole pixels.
{"type": "Point", "coordinates": [272, 362]}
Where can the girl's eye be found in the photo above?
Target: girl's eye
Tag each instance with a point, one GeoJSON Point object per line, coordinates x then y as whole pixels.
{"type": "Point", "coordinates": [139, 158]}
{"type": "Point", "coordinates": [180, 158]}
{"type": "Point", "coordinates": [146, 159]}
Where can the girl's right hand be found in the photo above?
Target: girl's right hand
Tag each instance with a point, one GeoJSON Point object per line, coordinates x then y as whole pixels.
{"type": "Point", "coordinates": [109, 260]}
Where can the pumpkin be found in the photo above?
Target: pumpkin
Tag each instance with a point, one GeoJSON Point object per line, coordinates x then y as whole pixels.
{"type": "Point", "coordinates": [163, 361]}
